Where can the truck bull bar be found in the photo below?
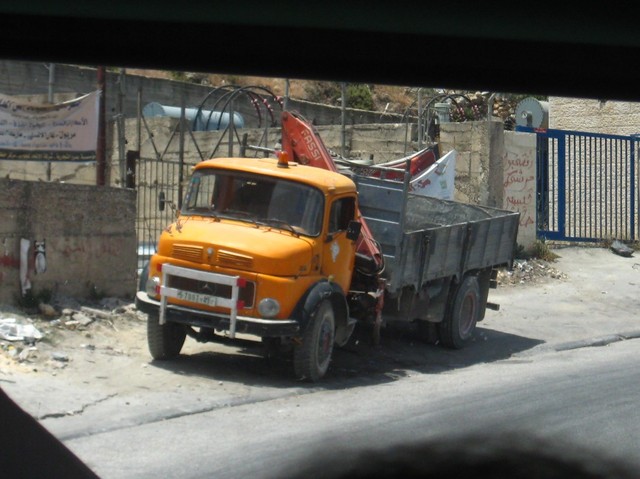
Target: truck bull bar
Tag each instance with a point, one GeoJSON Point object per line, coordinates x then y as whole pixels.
{"type": "Point", "coordinates": [235, 282]}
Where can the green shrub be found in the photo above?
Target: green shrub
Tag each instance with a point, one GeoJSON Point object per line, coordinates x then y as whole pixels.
{"type": "Point", "coordinates": [542, 251]}
{"type": "Point", "coordinates": [359, 96]}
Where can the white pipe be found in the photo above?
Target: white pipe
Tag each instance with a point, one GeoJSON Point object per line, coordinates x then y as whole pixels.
{"type": "Point", "coordinates": [25, 244]}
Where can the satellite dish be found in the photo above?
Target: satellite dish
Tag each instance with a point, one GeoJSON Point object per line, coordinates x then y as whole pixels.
{"type": "Point", "coordinates": [532, 113]}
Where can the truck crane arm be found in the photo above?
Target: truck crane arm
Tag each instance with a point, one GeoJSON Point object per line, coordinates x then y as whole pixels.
{"type": "Point", "coordinates": [303, 144]}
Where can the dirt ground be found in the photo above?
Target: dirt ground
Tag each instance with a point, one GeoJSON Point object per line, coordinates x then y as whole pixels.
{"type": "Point", "coordinates": [105, 341]}
{"type": "Point", "coordinates": [81, 338]}
{"type": "Point", "coordinates": [73, 336]}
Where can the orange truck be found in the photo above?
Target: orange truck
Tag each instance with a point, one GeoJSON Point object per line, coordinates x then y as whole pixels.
{"type": "Point", "coordinates": [298, 255]}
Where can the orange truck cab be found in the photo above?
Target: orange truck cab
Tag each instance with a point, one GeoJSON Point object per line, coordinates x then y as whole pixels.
{"type": "Point", "coordinates": [264, 247]}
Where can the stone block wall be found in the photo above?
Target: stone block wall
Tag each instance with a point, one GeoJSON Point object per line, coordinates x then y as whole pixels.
{"type": "Point", "coordinates": [595, 116]}
{"type": "Point", "coordinates": [480, 150]}
{"type": "Point", "coordinates": [89, 235]}
{"type": "Point", "coordinates": [495, 168]}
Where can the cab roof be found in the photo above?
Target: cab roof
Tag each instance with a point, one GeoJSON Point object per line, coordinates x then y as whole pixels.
{"type": "Point", "coordinates": [326, 180]}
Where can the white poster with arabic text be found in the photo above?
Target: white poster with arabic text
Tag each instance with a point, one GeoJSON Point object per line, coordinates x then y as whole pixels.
{"type": "Point", "coordinates": [65, 131]}
{"type": "Point", "coordinates": [437, 181]}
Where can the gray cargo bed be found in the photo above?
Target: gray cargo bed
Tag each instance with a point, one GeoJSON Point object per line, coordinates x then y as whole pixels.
{"type": "Point", "coordinates": [424, 238]}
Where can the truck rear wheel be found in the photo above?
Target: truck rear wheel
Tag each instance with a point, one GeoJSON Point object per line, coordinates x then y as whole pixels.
{"type": "Point", "coordinates": [459, 323]}
{"type": "Point", "coordinates": [311, 358]}
{"type": "Point", "coordinates": [165, 340]}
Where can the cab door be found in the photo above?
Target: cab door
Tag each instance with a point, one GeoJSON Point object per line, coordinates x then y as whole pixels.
{"type": "Point", "coordinates": [338, 256]}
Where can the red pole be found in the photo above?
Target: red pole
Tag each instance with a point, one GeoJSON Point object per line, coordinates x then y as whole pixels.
{"type": "Point", "coordinates": [101, 163]}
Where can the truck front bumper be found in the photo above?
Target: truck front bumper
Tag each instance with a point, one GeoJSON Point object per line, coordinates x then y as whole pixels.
{"type": "Point", "coordinates": [221, 322]}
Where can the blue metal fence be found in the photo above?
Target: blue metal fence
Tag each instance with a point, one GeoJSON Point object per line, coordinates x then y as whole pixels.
{"type": "Point", "coordinates": [586, 185]}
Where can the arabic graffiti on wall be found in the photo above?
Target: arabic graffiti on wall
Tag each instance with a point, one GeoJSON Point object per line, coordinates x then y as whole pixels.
{"type": "Point", "coordinates": [520, 189]}
{"type": "Point", "coordinates": [65, 131]}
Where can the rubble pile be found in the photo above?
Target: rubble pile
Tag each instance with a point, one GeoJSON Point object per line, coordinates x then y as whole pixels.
{"type": "Point", "coordinates": [529, 271]}
{"type": "Point", "coordinates": [40, 339]}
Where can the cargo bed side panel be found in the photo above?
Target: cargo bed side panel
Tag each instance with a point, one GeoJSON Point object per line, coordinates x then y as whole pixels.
{"type": "Point", "coordinates": [424, 238]}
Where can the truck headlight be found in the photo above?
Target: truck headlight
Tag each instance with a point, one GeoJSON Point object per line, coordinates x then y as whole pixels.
{"type": "Point", "coordinates": [153, 286]}
{"type": "Point", "coordinates": [268, 308]}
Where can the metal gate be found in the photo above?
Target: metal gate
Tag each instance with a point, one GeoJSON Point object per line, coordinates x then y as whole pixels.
{"type": "Point", "coordinates": [159, 193]}
{"type": "Point", "coordinates": [586, 186]}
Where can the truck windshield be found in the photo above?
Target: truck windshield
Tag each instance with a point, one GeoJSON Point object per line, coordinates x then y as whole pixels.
{"type": "Point", "coordinates": [259, 199]}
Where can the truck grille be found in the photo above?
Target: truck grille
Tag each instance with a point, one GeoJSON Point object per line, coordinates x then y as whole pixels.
{"type": "Point", "coordinates": [246, 294]}
{"type": "Point", "coordinates": [187, 252]}
{"type": "Point", "coordinates": [234, 260]}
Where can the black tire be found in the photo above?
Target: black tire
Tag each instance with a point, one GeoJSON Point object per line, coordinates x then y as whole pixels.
{"type": "Point", "coordinates": [165, 341]}
{"type": "Point", "coordinates": [311, 358]}
{"type": "Point", "coordinates": [459, 323]}
{"type": "Point", "coordinates": [427, 331]}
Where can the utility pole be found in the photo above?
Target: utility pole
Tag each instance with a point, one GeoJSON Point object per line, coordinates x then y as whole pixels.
{"type": "Point", "coordinates": [121, 126]}
{"type": "Point", "coordinates": [183, 123]}
{"type": "Point", "coordinates": [343, 135]}
{"type": "Point", "coordinates": [52, 79]}
{"type": "Point", "coordinates": [420, 120]}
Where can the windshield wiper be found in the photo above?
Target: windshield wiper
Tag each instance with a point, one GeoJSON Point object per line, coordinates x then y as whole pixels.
{"type": "Point", "coordinates": [240, 215]}
{"type": "Point", "coordinates": [205, 212]}
{"type": "Point", "coordinates": [278, 223]}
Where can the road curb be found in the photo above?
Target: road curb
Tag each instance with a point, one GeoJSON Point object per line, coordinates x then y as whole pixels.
{"type": "Point", "coordinates": [598, 341]}
{"type": "Point", "coordinates": [583, 343]}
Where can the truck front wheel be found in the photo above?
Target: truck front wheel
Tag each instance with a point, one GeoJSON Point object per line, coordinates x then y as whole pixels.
{"type": "Point", "coordinates": [312, 356]}
{"type": "Point", "coordinates": [165, 340]}
{"type": "Point", "coordinates": [462, 314]}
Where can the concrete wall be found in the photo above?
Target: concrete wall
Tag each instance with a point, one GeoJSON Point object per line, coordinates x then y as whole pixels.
{"type": "Point", "coordinates": [520, 182]}
{"type": "Point", "coordinates": [89, 234]}
{"type": "Point", "coordinates": [383, 142]}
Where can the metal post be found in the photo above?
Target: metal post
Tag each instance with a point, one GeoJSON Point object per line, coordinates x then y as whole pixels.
{"type": "Point", "coordinates": [286, 95]}
{"type": "Point", "coordinates": [139, 122]}
{"type": "Point", "coordinates": [343, 87]}
{"type": "Point", "coordinates": [632, 177]}
{"type": "Point", "coordinates": [232, 128]}
{"type": "Point", "coordinates": [183, 122]}
{"type": "Point", "coordinates": [101, 164]}
{"type": "Point", "coordinates": [562, 187]}
{"type": "Point", "coordinates": [121, 125]}
{"type": "Point", "coordinates": [420, 125]}
{"type": "Point", "coordinates": [52, 78]}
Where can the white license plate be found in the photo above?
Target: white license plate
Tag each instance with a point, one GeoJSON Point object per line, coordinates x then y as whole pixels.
{"type": "Point", "coordinates": [196, 298]}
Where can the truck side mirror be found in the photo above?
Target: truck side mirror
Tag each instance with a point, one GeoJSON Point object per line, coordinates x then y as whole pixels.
{"type": "Point", "coordinates": [161, 201]}
{"type": "Point", "coordinates": [353, 230]}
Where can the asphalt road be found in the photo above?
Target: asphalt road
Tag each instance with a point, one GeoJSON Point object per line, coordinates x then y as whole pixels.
{"type": "Point", "coordinates": [555, 370]}
{"type": "Point", "coordinates": [579, 404]}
